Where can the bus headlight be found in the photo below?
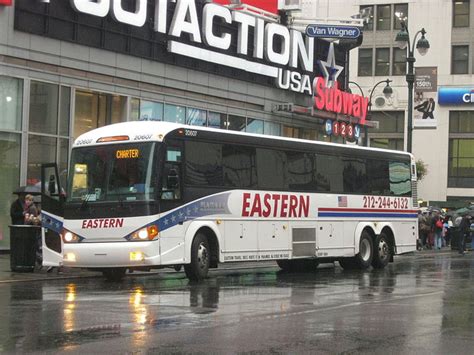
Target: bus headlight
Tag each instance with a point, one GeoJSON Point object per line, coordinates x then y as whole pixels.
{"type": "Point", "coordinates": [146, 233]}
{"type": "Point", "coordinates": [70, 237]}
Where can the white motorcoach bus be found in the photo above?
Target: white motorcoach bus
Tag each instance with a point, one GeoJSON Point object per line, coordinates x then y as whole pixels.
{"type": "Point", "coordinates": [143, 195]}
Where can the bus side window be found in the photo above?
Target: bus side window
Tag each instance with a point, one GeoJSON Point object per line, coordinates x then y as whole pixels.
{"type": "Point", "coordinates": [171, 176]}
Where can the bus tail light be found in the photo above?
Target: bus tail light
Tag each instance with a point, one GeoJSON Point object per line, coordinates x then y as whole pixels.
{"type": "Point", "coordinates": [70, 237]}
{"type": "Point", "coordinates": [146, 233]}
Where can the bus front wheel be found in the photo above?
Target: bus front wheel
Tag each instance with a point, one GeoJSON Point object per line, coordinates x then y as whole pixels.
{"type": "Point", "coordinates": [200, 258]}
{"type": "Point", "coordinates": [381, 252]}
{"type": "Point", "coordinates": [114, 274]}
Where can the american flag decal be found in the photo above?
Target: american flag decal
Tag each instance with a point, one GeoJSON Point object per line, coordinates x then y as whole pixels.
{"type": "Point", "coordinates": [342, 201]}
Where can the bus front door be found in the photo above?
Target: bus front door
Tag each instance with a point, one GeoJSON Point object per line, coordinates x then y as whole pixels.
{"type": "Point", "coordinates": [52, 215]}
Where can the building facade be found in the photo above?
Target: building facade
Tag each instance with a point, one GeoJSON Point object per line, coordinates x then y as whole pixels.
{"type": "Point", "coordinates": [445, 143]}
{"type": "Point", "coordinates": [67, 67]}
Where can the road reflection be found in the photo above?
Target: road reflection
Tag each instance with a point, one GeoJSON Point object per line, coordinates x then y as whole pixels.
{"type": "Point", "coordinates": [63, 315]}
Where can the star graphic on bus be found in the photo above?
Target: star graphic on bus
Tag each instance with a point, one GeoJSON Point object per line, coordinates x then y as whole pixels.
{"type": "Point", "coordinates": [173, 218]}
{"type": "Point", "coordinates": [329, 67]}
{"type": "Point", "coordinates": [166, 221]}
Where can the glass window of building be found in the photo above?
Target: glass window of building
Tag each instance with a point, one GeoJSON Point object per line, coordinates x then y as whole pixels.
{"type": "Point", "coordinates": [461, 162]}
{"type": "Point", "coordinates": [391, 129]}
{"type": "Point", "coordinates": [63, 161]}
{"type": "Point", "coordinates": [44, 99]}
{"type": "Point", "coordinates": [254, 126]}
{"type": "Point", "coordinates": [461, 122]}
{"type": "Point", "coordinates": [196, 117]}
{"type": "Point", "coordinates": [389, 121]}
{"type": "Point", "coordinates": [384, 17]}
{"type": "Point", "coordinates": [150, 111]}
{"type": "Point", "coordinates": [460, 60]}
{"type": "Point", "coordinates": [461, 13]}
{"type": "Point", "coordinates": [174, 113]}
{"type": "Point", "coordinates": [236, 123]}
{"type": "Point", "coordinates": [368, 12]}
{"type": "Point", "coordinates": [118, 108]}
{"type": "Point", "coordinates": [400, 13]}
{"type": "Point", "coordinates": [292, 132]}
{"type": "Point", "coordinates": [271, 128]}
{"type": "Point", "coordinates": [387, 143]}
{"type": "Point", "coordinates": [365, 62]}
{"type": "Point", "coordinates": [64, 110]}
{"type": "Point", "coordinates": [10, 145]}
{"type": "Point", "coordinates": [93, 110]}
{"type": "Point", "coordinates": [382, 61]}
{"type": "Point", "coordinates": [399, 65]}
{"type": "Point", "coordinates": [217, 120]}
{"type": "Point", "coordinates": [11, 99]}
{"type": "Point", "coordinates": [41, 149]}
{"type": "Point", "coordinates": [134, 114]}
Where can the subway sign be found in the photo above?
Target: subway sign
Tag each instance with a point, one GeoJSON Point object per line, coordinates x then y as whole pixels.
{"type": "Point", "coordinates": [456, 96]}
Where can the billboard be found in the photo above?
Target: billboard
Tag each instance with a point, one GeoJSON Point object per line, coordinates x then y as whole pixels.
{"type": "Point", "coordinates": [267, 5]}
{"type": "Point", "coordinates": [424, 102]}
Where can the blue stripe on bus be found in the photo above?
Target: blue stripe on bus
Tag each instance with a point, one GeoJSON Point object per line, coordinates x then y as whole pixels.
{"type": "Point", "coordinates": [367, 214]}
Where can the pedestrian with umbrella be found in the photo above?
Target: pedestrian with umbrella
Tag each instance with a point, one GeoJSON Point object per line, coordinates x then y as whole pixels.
{"type": "Point", "coordinates": [17, 208]}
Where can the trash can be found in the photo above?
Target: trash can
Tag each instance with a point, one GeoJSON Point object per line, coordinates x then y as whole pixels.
{"type": "Point", "coordinates": [23, 241]}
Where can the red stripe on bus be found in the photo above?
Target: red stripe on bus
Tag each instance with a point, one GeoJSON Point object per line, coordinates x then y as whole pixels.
{"type": "Point", "coordinates": [365, 210]}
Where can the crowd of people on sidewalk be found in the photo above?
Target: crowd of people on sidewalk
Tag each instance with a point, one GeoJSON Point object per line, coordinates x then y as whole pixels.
{"type": "Point", "coordinates": [437, 231]}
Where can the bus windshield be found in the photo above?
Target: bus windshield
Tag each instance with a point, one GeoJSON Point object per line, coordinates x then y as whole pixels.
{"type": "Point", "coordinates": [118, 172]}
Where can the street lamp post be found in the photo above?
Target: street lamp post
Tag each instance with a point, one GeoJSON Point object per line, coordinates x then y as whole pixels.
{"type": "Point", "coordinates": [403, 41]}
{"type": "Point", "coordinates": [387, 91]}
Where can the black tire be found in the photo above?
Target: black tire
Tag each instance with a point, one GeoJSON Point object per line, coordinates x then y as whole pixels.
{"type": "Point", "coordinates": [382, 252]}
{"type": "Point", "coordinates": [298, 265]}
{"type": "Point", "coordinates": [364, 258]}
{"type": "Point", "coordinates": [114, 274]}
{"type": "Point", "coordinates": [366, 251]}
{"type": "Point", "coordinates": [198, 268]}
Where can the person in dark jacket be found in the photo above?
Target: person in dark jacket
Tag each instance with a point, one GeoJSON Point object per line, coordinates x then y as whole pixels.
{"type": "Point", "coordinates": [464, 231]}
{"type": "Point", "coordinates": [17, 210]}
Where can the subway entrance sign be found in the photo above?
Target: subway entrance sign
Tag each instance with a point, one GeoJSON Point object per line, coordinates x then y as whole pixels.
{"type": "Point", "coordinates": [329, 31]}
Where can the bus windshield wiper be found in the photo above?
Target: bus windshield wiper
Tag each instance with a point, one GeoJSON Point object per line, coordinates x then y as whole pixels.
{"type": "Point", "coordinates": [86, 200]}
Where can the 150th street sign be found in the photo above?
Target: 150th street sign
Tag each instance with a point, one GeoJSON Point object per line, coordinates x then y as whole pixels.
{"type": "Point", "coordinates": [328, 31]}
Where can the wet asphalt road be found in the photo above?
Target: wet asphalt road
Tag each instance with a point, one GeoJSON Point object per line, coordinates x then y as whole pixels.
{"type": "Point", "coordinates": [420, 304]}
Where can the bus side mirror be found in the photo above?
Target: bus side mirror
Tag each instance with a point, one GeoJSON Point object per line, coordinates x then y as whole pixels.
{"type": "Point", "coordinates": [172, 179]}
{"type": "Point", "coordinates": [52, 184]}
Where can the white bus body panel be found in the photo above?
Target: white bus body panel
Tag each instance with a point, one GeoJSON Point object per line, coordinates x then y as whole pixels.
{"type": "Point", "coordinates": [248, 228]}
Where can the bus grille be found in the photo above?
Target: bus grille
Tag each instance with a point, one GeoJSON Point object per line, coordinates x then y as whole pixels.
{"type": "Point", "coordinates": [304, 242]}
{"type": "Point", "coordinates": [414, 192]}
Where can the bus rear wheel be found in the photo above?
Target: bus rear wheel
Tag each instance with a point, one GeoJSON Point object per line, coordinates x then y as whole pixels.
{"type": "Point", "coordinates": [115, 274]}
{"type": "Point", "coordinates": [382, 252]}
{"type": "Point", "coordinates": [198, 268]}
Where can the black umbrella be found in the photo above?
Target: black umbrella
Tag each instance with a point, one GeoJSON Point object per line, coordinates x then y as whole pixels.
{"type": "Point", "coordinates": [28, 190]}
